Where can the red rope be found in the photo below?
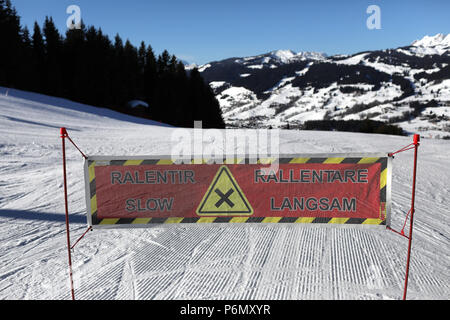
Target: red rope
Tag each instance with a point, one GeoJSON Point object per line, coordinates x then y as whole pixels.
{"type": "Point", "coordinates": [402, 234]}
{"type": "Point", "coordinates": [89, 229]}
{"type": "Point", "coordinates": [406, 148]}
{"type": "Point", "coordinates": [406, 219]}
{"type": "Point", "coordinates": [84, 156]}
{"type": "Point", "coordinates": [64, 135]}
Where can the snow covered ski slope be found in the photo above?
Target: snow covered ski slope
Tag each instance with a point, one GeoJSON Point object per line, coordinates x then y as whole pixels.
{"type": "Point", "coordinates": [201, 262]}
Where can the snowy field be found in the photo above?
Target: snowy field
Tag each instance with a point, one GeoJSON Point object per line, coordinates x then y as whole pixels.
{"type": "Point", "coordinates": [202, 262]}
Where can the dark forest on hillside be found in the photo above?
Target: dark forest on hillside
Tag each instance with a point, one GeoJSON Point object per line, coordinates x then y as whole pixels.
{"type": "Point", "coordinates": [87, 67]}
{"type": "Point", "coordinates": [364, 126]}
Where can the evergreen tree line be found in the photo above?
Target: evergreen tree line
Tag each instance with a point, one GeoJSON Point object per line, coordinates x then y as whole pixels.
{"type": "Point", "coordinates": [365, 126]}
{"type": "Point", "coordinates": [87, 67]}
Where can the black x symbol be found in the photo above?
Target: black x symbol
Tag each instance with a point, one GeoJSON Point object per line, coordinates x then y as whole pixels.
{"type": "Point", "coordinates": [224, 198]}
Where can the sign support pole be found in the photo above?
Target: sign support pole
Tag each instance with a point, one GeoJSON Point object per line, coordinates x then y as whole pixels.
{"type": "Point", "coordinates": [416, 147]}
{"type": "Point", "coordinates": [64, 135]}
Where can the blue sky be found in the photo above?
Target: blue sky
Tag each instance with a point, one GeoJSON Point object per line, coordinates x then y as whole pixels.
{"type": "Point", "coordinates": [202, 31]}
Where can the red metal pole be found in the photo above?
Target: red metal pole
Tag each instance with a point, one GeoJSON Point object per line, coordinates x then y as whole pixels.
{"type": "Point", "coordinates": [416, 147]}
{"type": "Point", "coordinates": [63, 137]}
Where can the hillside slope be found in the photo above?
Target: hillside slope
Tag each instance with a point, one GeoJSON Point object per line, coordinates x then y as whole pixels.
{"type": "Point", "coordinates": [408, 86]}
{"type": "Point", "coordinates": [201, 262]}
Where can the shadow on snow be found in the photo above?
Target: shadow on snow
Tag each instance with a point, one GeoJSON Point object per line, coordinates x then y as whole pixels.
{"type": "Point", "coordinates": [42, 216]}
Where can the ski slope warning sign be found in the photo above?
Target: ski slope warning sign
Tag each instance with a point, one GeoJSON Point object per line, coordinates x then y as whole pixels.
{"type": "Point", "coordinates": [224, 197]}
{"type": "Point", "coordinates": [332, 189]}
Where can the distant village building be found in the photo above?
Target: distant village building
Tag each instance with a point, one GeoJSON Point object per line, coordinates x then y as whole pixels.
{"type": "Point", "coordinates": [138, 108]}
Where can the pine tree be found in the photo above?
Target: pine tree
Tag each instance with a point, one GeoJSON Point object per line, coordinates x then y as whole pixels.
{"type": "Point", "coordinates": [75, 63]}
{"type": "Point", "coordinates": [203, 103]}
{"type": "Point", "coordinates": [106, 58]}
{"type": "Point", "coordinates": [26, 41]}
{"type": "Point", "coordinates": [141, 70]}
{"type": "Point", "coordinates": [53, 63]}
{"type": "Point", "coordinates": [131, 64]}
{"type": "Point", "coordinates": [163, 62]}
{"type": "Point", "coordinates": [150, 75]}
{"type": "Point", "coordinates": [142, 57]}
{"type": "Point", "coordinates": [118, 73]}
{"type": "Point", "coordinates": [10, 35]}
{"type": "Point", "coordinates": [38, 61]}
{"type": "Point", "coordinates": [26, 56]}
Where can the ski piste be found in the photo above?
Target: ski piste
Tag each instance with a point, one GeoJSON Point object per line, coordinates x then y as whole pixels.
{"type": "Point", "coordinates": [244, 262]}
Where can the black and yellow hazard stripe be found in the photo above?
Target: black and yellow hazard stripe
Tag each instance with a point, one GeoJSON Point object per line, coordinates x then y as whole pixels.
{"type": "Point", "coordinates": [302, 220]}
{"type": "Point", "coordinates": [263, 161]}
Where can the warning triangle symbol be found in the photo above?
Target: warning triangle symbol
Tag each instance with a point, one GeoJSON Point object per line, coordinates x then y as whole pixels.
{"type": "Point", "coordinates": [224, 197]}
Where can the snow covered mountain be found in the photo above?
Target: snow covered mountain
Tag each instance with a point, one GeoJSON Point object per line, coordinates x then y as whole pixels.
{"type": "Point", "coordinates": [439, 44]}
{"type": "Point", "coordinates": [407, 86]}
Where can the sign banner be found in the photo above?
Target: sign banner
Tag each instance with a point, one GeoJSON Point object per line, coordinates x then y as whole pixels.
{"type": "Point", "coordinates": [331, 189]}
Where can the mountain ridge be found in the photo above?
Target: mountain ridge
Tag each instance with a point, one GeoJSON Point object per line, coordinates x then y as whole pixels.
{"type": "Point", "coordinates": [408, 86]}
